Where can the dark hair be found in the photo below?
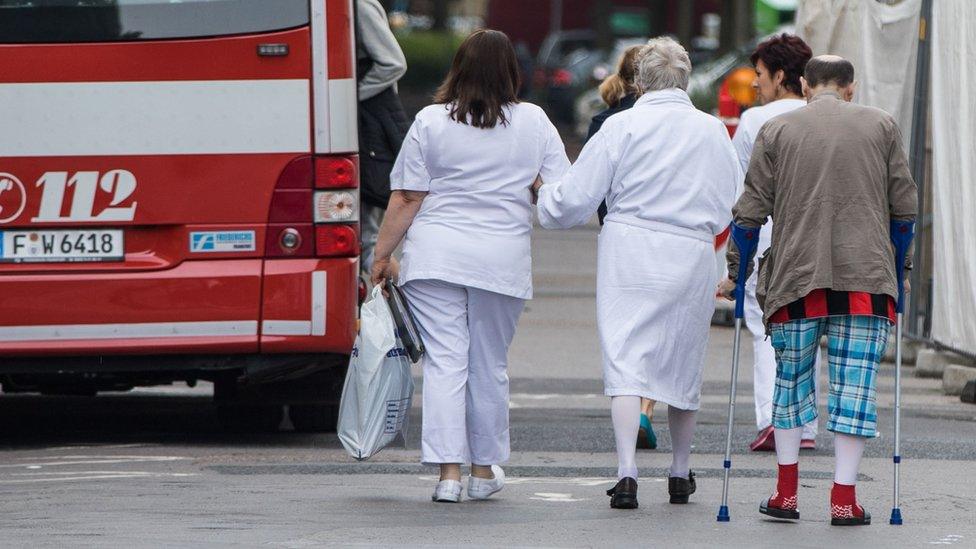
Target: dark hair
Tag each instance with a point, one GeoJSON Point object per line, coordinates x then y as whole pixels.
{"type": "Point", "coordinates": [787, 53]}
{"type": "Point", "coordinates": [821, 70]}
{"type": "Point", "coordinates": [484, 77]}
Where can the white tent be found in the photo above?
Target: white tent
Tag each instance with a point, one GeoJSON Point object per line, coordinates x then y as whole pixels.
{"type": "Point", "coordinates": [954, 173]}
{"type": "Point", "coordinates": [881, 39]}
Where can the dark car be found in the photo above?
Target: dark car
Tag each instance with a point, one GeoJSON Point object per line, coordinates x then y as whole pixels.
{"type": "Point", "coordinates": [564, 69]}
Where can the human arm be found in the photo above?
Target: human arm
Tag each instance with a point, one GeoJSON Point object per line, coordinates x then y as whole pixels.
{"type": "Point", "coordinates": [572, 199]}
{"type": "Point", "coordinates": [410, 182]}
{"type": "Point", "coordinates": [902, 190]}
{"type": "Point", "coordinates": [742, 143]}
{"type": "Point", "coordinates": [377, 40]}
{"type": "Point", "coordinates": [755, 205]}
{"type": "Point", "coordinates": [401, 210]}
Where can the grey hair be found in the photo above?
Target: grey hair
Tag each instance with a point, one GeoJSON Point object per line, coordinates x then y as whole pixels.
{"type": "Point", "coordinates": [663, 63]}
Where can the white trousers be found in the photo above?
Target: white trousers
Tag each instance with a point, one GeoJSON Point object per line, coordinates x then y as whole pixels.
{"type": "Point", "coordinates": [764, 374]}
{"type": "Point", "coordinates": [466, 332]}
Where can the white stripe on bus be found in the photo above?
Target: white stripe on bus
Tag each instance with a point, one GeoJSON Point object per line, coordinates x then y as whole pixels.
{"type": "Point", "coordinates": [318, 303]}
{"type": "Point", "coordinates": [343, 123]}
{"type": "Point", "coordinates": [286, 328]}
{"type": "Point", "coordinates": [129, 331]}
{"type": "Point", "coordinates": [155, 118]}
{"type": "Point", "coordinates": [320, 94]}
{"type": "Point", "coordinates": [313, 327]}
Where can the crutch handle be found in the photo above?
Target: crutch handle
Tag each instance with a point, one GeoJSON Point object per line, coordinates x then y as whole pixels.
{"type": "Point", "coordinates": [746, 240]}
{"type": "Point", "coordinates": [902, 233]}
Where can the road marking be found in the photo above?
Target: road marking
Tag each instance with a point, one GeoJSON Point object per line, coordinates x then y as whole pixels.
{"type": "Point", "coordinates": [951, 539]}
{"type": "Point", "coordinates": [92, 460]}
{"type": "Point", "coordinates": [88, 475]}
{"type": "Point", "coordinates": [573, 481]}
{"type": "Point", "coordinates": [555, 496]}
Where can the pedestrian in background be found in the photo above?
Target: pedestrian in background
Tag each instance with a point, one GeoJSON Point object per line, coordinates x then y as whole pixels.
{"type": "Point", "coordinates": [837, 174]}
{"type": "Point", "coordinates": [463, 200]}
{"type": "Point", "coordinates": [779, 63]}
{"type": "Point", "coordinates": [382, 121]}
{"type": "Point", "coordinates": [668, 173]}
{"type": "Point", "coordinates": [619, 92]}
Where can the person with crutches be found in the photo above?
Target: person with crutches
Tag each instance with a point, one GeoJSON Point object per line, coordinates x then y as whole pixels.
{"type": "Point", "coordinates": [668, 174]}
{"type": "Point", "coordinates": [832, 175]}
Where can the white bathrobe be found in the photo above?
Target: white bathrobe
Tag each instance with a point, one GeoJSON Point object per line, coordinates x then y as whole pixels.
{"type": "Point", "coordinates": [669, 174]}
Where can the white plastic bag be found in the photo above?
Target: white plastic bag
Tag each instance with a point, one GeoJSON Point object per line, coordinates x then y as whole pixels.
{"type": "Point", "coordinates": [378, 390]}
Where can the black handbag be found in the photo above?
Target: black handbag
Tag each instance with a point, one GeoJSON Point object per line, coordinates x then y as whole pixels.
{"type": "Point", "coordinates": [405, 325]}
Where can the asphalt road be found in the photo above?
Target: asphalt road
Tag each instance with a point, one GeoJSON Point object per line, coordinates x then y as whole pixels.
{"type": "Point", "coordinates": [153, 468]}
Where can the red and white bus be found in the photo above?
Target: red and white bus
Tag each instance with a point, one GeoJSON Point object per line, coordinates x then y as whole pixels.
{"type": "Point", "coordinates": [178, 200]}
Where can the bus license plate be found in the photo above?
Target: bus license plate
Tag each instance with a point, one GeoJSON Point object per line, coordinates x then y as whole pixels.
{"type": "Point", "coordinates": [61, 246]}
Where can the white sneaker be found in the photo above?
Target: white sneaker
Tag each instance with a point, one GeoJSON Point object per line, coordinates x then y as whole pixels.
{"type": "Point", "coordinates": [483, 488]}
{"type": "Point", "coordinates": [447, 491]}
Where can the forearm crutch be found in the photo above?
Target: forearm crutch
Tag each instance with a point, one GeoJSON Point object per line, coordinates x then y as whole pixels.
{"type": "Point", "coordinates": [745, 240]}
{"type": "Point", "coordinates": [902, 233]}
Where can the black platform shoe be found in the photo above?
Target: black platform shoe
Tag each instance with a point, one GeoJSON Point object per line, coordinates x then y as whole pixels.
{"type": "Point", "coordinates": [680, 488]}
{"type": "Point", "coordinates": [624, 494]}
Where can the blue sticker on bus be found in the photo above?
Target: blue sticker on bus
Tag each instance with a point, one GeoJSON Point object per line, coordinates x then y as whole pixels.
{"type": "Point", "coordinates": [222, 241]}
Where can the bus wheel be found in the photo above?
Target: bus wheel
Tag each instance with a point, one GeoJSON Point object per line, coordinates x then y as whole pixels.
{"type": "Point", "coordinates": [243, 418]}
{"type": "Point", "coordinates": [314, 418]}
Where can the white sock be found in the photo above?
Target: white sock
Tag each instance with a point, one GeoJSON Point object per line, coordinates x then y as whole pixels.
{"type": "Point", "coordinates": [681, 424]}
{"type": "Point", "coordinates": [788, 445]}
{"type": "Point", "coordinates": [848, 450]}
{"type": "Point", "coordinates": [625, 412]}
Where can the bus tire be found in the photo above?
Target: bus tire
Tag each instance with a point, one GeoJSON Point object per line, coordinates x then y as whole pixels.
{"type": "Point", "coordinates": [250, 418]}
{"type": "Point", "coordinates": [314, 418]}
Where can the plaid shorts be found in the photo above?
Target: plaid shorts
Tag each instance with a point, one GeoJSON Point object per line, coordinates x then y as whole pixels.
{"type": "Point", "coordinates": [855, 347]}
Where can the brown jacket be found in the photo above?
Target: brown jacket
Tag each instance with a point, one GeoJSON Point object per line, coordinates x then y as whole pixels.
{"type": "Point", "coordinates": [832, 175]}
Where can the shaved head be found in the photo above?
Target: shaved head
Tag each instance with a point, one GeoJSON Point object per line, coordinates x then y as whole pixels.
{"type": "Point", "coordinates": [825, 70]}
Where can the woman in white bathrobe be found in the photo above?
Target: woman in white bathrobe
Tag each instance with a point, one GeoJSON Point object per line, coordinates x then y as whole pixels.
{"type": "Point", "coordinates": [668, 173]}
{"type": "Point", "coordinates": [462, 205]}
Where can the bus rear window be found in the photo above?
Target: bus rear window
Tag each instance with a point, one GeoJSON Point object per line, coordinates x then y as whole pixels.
{"type": "Point", "coordinates": [40, 21]}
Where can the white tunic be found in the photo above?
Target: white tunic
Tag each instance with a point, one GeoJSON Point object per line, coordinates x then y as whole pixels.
{"type": "Point", "coordinates": [669, 173]}
{"type": "Point", "coordinates": [750, 123]}
{"type": "Point", "coordinates": [474, 225]}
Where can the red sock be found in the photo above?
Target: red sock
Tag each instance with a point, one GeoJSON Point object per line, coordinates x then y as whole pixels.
{"type": "Point", "coordinates": [843, 502]}
{"type": "Point", "coordinates": [786, 486]}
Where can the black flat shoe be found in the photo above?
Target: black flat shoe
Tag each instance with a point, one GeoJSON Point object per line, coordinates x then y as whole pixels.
{"type": "Point", "coordinates": [777, 513]}
{"type": "Point", "coordinates": [852, 521]}
{"type": "Point", "coordinates": [624, 494]}
{"type": "Point", "coordinates": [680, 488]}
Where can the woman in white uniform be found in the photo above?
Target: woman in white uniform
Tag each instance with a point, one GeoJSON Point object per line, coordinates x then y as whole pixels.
{"type": "Point", "coordinates": [463, 199]}
{"type": "Point", "coordinates": [779, 63]}
{"type": "Point", "coordinates": [668, 173]}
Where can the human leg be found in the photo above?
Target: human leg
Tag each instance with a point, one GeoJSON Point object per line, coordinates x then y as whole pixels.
{"type": "Point", "coordinates": [681, 424]}
{"type": "Point", "coordinates": [646, 438]}
{"type": "Point", "coordinates": [794, 404]}
{"type": "Point", "coordinates": [764, 370]}
{"type": "Point", "coordinates": [855, 347]}
{"type": "Point", "coordinates": [625, 413]}
{"type": "Point", "coordinates": [681, 480]}
{"type": "Point", "coordinates": [811, 429]}
{"type": "Point", "coordinates": [440, 311]}
{"type": "Point", "coordinates": [492, 319]}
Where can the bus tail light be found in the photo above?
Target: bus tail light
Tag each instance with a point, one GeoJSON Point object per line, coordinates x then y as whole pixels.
{"type": "Point", "coordinates": [337, 240]}
{"type": "Point", "coordinates": [290, 230]}
{"type": "Point", "coordinates": [336, 172]}
{"type": "Point", "coordinates": [337, 206]}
